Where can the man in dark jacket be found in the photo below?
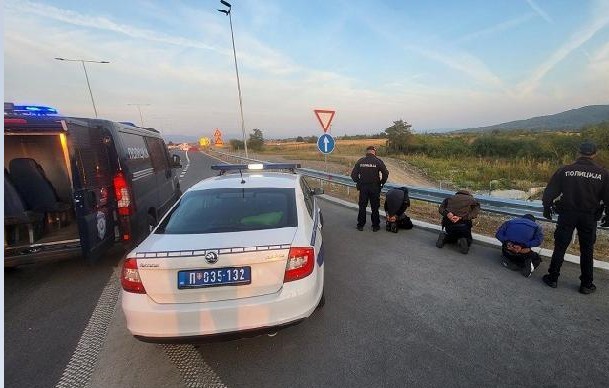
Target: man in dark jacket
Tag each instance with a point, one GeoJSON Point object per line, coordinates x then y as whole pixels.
{"type": "Point", "coordinates": [581, 187]}
{"type": "Point", "coordinates": [396, 203]}
{"type": "Point", "coordinates": [365, 174]}
{"type": "Point", "coordinates": [457, 212]}
{"type": "Point", "coordinates": [518, 236]}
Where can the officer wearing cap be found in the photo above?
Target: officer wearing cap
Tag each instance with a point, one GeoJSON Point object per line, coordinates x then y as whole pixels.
{"type": "Point", "coordinates": [581, 187]}
{"type": "Point", "coordinates": [365, 174]}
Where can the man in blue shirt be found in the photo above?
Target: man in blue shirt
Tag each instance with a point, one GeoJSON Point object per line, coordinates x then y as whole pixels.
{"type": "Point", "coordinates": [518, 236]}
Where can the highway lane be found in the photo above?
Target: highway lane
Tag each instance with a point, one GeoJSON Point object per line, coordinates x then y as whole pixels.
{"type": "Point", "coordinates": [47, 306]}
{"type": "Point", "coordinates": [399, 312]}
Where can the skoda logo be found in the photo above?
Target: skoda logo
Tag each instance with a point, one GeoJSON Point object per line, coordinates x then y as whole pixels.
{"type": "Point", "coordinates": [211, 257]}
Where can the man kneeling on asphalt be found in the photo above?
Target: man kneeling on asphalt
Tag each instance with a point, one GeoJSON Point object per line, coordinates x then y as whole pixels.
{"type": "Point", "coordinates": [396, 203]}
{"type": "Point", "coordinates": [518, 236]}
{"type": "Point", "coordinates": [458, 211]}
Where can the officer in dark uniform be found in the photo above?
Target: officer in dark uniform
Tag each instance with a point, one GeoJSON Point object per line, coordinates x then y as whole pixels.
{"type": "Point", "coordinates": [583, 185]}
{"type": "Point", "coordinates": [366, 176]}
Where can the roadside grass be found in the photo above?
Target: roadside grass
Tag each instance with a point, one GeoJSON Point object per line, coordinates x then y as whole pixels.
{"type": "Point", "coordinates": [484, 173]}
{"type": "Point", "coordinates": [463, 172]}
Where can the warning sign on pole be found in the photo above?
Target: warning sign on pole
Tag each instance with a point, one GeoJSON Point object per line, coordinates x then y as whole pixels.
{"type": "Point", "coordinates": [218, 138]}
{"type": "Point", "coordinates": [325, 117]}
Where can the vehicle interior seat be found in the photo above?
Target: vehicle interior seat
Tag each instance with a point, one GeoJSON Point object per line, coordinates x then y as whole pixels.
{"type": "Point", "coordinates": [37, 191]}
{"type": "Point", "coordinates": [16, 215]}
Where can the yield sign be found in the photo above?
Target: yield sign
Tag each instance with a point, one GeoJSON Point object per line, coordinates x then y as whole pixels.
{"type": "Point", "coordinates": [325, 118]}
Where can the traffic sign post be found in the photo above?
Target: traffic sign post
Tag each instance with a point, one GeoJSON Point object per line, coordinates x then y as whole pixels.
{"type": "Point", "coordinates": [325, 143]}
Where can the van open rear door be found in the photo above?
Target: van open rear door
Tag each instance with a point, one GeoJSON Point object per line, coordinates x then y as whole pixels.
{"type": "Point", "coordinates": [93, 163]}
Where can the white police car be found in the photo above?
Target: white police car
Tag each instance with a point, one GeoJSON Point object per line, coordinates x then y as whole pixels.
{"type": "Point", "coordinates": [238, 252]}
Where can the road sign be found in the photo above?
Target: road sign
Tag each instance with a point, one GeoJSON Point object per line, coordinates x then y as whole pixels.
{"type": "Point", "coordinates": [325, 118]}
{"type": "Point", "coordinates": [325, 143]}
{"type": "Point", "coordinates": [218, 138]}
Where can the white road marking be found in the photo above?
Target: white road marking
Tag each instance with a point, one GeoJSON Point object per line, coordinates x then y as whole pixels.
{"type": "Point", "coordinates": [194, 370]}
{"type": "Point", "coordinates": [80, 368]}
{"type": "Point", "coordinates": [185, 168]}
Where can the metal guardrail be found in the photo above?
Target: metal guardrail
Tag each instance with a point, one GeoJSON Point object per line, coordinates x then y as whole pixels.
{"type": "Point", "coordinates": [511, 207]}
{"type": "Point", "coordinates": [487, 203]}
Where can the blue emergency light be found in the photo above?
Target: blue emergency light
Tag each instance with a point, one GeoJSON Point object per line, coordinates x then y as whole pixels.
{"type": "Point", "coordinates": [33, 110]}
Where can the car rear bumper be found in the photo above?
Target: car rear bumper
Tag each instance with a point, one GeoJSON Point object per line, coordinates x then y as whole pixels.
{"type": "Point", "coordinates": [154, 322]}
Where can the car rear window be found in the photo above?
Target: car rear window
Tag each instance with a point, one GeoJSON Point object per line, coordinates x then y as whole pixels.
{"type": "Point", "coordinates": [231, 210]}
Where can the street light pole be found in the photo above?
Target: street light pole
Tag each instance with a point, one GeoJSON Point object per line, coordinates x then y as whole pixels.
{"type": "Point", "coordinates": [82, 61]}
{"type": "Point", "coordinates": [140, 110]}
{"type": "Point", "coordinates": [230, 19]}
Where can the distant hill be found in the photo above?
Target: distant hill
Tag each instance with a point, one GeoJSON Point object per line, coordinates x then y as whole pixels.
{"type": "Point", "coordinates": [573, 119]}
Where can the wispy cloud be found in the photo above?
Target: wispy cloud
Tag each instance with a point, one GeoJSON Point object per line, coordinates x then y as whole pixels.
{"type": "Point", "coordinates": [544, 15]}
{"type": "Point", "coordinates": [503, 26]}
{"type": "Point", "coordinates": [601, 54]}
{"type": "Point", "coordinates": [101, 23]}
{"type": "Point", "coordinates": [462, 62]}
{"type": "Point", "coordinates": [599, 21]}
{"type": "Point", "coordinates": [455, 59]}
{"type": "Point", "coordinates": [257, 55]}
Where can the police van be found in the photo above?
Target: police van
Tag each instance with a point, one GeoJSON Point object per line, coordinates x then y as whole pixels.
{"type": "Point", "coordinates": [80, 185]}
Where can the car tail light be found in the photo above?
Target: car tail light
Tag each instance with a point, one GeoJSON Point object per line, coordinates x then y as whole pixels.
{"type": "Point", "coordinates": [130, 277]}
{"type": "Point", "coordinates": [123, 197]}
{"type": "Point", "coordinates": [301, 262]}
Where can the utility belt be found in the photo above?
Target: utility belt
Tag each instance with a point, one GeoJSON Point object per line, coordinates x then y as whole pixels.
{"type": "Point", "coordinates": [597, 213]}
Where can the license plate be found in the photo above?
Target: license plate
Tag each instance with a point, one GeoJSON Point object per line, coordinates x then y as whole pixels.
{"type": "Point", "coordinates": [227, 276]}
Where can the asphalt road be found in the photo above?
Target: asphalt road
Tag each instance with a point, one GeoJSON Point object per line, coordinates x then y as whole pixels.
{"type": "Point", "coordinates": [399, 312]}
{"type": "Point", "coordinates": [47, 306]}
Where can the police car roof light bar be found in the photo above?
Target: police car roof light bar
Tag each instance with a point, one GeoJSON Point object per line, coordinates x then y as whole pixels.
{"type": "Point", "coordinates": [32, 110]}
{"type": "Point", "coordinates": [223, 168]}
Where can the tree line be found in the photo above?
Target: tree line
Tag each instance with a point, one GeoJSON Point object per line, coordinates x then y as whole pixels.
{"type": "Point", "coordinates": [550, 146]}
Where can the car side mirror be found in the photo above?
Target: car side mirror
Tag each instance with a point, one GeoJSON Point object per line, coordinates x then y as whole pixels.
{"type": "Point", "coordinates": [317, 191]}
{"type": "Point", "coordinates": [175, 161]}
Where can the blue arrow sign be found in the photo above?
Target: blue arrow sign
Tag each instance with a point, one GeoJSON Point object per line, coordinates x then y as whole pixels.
{"type": "Point", "coordinates": [325, 143]}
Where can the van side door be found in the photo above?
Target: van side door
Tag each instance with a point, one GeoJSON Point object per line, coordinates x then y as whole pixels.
{"type": "Point", "coordinates": [166, 182]}
{"type": "Point", "coordinates": [92, 163]}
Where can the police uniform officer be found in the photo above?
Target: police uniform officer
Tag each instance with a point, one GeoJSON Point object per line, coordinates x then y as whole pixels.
{"type": "Point", "coordinates": [366, 176]}
{"type": "Point", "coordinates": [583, 185]}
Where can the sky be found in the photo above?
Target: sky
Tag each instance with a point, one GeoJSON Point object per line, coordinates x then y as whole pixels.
{"type": "Point", "coordinates": [435, 64]}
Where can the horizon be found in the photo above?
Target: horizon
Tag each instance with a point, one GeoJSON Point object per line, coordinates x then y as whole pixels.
{"type": "Point", "coordinates": [434, 65]}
